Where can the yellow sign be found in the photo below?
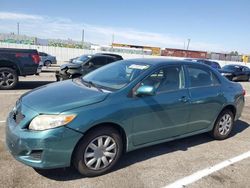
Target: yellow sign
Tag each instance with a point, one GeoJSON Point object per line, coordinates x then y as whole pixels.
{"type": "Point", "coordinates": [245, 58]}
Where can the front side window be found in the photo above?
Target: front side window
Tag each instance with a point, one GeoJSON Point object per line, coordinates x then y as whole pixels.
{"type": "Point", "coordinates": [199, 77]}
{"type": "Point", "coordinates": [166, 79]}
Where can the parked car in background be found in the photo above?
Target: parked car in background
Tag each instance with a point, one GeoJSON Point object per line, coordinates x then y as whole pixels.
{"type": "Point", "coordinates": [210, 63]}
{"type": "Point", "coordinates": [15, 63]}
{"type": "Point", "coordinates": [236, 72]}
{"type": "Point", "coordinates": [47, 59]}
{"type": "Point", "coordinates": [85, 64]}
{"type": "Point", "coordinates": [118, 108]}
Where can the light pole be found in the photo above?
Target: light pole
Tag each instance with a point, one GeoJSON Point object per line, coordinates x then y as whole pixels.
{"type": "Point", "coordinates": [188, 43]}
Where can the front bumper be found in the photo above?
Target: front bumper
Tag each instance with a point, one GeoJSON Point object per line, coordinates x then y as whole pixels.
{"type": "Point", "coordinates": [41, 149]}
{"type": "Point", "coordinates": [61, 76]}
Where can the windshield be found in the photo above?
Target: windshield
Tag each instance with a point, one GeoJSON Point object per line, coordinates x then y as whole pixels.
{"type": "Point", "coordinates": [116, 75]}
{"type": "Point", "coordinates": [82, 59]}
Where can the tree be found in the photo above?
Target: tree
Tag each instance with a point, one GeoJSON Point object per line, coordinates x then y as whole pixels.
{"type": "Point", "coordinates": [234, 53]}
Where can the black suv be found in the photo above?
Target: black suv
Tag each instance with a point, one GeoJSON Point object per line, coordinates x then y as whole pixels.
{"type": "Point", "coordinates": [15, 63]}
{"type": "Point", "coordinates": [84, 64]}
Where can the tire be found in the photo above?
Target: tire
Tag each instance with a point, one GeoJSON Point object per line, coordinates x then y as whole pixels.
{"type": "Point", "coordinates": [223, 125]}
{"type": "Point", "coordinates": [8, 78]}
{"type": "Point", "coordinates": [100, 160]}
{"type": "Point", "coordinates": [47, 63]}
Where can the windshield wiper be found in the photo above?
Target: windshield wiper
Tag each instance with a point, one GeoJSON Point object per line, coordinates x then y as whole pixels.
{"type": "Point", "coordinates": [90, 83]}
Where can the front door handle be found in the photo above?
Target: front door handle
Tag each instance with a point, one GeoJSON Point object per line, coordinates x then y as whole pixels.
{"type": "Point", "coordinates": [184, 99]}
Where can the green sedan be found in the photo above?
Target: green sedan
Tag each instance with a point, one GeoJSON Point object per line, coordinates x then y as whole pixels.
{"type": "Point", "coordinates": [89, 122]}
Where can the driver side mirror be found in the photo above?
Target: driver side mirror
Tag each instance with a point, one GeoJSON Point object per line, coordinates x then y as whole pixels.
{"type": "Point", "coordinates": [145, 91]}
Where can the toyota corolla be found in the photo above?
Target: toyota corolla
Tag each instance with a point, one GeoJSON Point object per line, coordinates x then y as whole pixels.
{"type": "Point", "coordinates": [89, 122]}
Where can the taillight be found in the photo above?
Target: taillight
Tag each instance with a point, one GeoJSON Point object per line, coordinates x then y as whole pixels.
{"type": "Point", "coordinates": [244, 92]}
{"type": "Point", "coordinates": [36, 58]}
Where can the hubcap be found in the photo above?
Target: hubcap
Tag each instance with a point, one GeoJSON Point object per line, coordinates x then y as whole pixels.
{"type": "Point", "coordinates": [100, 152]}
{"type": "Point", "coordinates": [6, 78]}
{"type": "Point", "coordinates": [225, 124]}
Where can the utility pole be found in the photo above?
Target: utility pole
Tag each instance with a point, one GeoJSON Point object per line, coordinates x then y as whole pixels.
{"type": "Point", "coordinates": [18, 32]}
{"type": "Point", "coordinates": [188, 43]}
{"type": "Point", "coordinates": [18, 28]}
{"type": "Point", "coordinates": [82, 38]}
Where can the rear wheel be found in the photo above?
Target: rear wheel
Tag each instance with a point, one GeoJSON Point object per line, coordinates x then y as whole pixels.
{"type": "Point", "coordinates": [98, 152]}
{"type": "Point", "coordinates": [8, 78]}
{"type": "Point", "coordinates": [223, 125]}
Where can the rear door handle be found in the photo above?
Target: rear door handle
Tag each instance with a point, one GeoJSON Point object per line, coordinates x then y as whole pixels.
{"type": "Point", "coordinates": [184, 99]}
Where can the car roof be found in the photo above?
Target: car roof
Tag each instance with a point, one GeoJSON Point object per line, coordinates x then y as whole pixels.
{"type": "Point", "coordinates": [110, 54]}
{"type": "Point", "coordinates": [200, 59]}
{"type": "Point", "coordinates": [97, 55]}
{"type": "Point", "coordinates": [161, 61]}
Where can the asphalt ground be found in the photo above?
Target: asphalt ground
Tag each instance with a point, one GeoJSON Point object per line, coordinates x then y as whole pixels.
{"type": "Point", "coordinates": [155, 166]}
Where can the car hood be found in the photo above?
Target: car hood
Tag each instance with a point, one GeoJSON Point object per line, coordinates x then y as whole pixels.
{"type": "Point", "coordinates": [62, 96]}
{"type": "Point", "coordinates": [70, 66]}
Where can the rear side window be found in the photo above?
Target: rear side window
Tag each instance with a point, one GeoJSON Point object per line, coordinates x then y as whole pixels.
{"type": "Point", "coordinates": [99, 61]}
{"type": "Point", "coordinates": [42, 54]}
{"type": "Point", "coordinates": [110, 60]}
{"type": "Point", "coordinates": [200, 77]}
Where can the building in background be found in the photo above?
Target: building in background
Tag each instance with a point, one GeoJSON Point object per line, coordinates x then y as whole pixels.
{"type": "Point", "coordinates": [224, 56]}
{"type": "Point", "coordinates": [183, 53]}
{"type": "Point", "coordinates": [154, 50]}
{"type": "Point", "coordinates": [9, 38]}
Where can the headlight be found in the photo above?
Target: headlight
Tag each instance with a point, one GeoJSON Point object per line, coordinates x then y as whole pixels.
{"type": "Point", "coordinates": [44, 122]}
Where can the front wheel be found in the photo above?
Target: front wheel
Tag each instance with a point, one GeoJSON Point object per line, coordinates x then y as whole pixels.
{"type": "Point", "coordinates": [223, 125]}
{"type": "Point", "coordinates": [98, 151]}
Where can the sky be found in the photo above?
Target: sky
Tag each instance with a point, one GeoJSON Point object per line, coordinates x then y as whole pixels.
{"type": "Point", "coordinates": [211, 25]}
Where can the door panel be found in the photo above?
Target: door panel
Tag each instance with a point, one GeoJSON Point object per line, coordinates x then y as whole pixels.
{"type": "Point", "coordinates": [205, 106]}
{"type": "Point", "coordinates": [160, 117]}
{"type": "Point", "coordinates": [206, 98]}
